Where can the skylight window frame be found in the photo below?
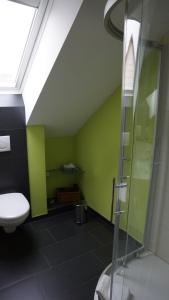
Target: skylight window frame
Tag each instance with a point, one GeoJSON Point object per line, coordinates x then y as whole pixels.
{"type": "Point", "coordinates": [34, 32]}
{"type": "Point", "coordinates": [32, 3]}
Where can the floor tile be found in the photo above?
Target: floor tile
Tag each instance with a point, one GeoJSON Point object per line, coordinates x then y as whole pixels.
{"type": "Point", "coordinates": [13, 270]}
{"type": "Point", "coordinates": [52, 221]}
{"type": "Point", "coordinates": [69, 228]}
{"type": "Point", "coordinates": [41, 238]}
{"type": "Point", "coordinates": [104, 254]}
{"type": "Point", "coordinates": [90, 225]}
{"type": "Point", "coordinates": [64, 258]}
{"type": "Point", "coordinates": [132, 245]}
{"type": "Point", "coordinates": [17, 244]}
{"type": "Point", "coordinates": [25, 290]}
{"type": "Point", "coordinates": [103, 233]}
{"type": "Point", "coordinates": [23, 241]}
{"type": "Point", "coordinates": [61, 281]}
{"type": "Point", "coordinates": [70, 248]}
{"type": "Point", "coordinates": [64, 230]}
{"type": "Point", "coordinates": [122, 235]}
{"type": "Point", "coordinates": [84, 292]}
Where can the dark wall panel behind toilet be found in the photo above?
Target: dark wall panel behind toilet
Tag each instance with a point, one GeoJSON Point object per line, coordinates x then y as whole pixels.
{"type": "Point", "coordinates": [13, 164]}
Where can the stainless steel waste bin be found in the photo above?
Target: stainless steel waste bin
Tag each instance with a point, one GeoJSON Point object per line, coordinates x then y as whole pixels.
{"type": "Point", "coordinates": [80, 213]}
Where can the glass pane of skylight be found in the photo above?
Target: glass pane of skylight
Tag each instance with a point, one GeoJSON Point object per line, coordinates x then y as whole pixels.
{"type": "Point", "coordinates": [15, 23]}
{"type": "Point", "coordinates": [131, 48]}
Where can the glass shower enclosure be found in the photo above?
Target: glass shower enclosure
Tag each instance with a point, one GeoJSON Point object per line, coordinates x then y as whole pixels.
{"type": "Point", "coordinates": [142, 26]}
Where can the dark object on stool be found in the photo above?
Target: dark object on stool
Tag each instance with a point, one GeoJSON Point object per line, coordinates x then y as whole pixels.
{"type": "Point", "coordinates": [80, 213]}
{"type": "Point", "coordinates": [68, 194]}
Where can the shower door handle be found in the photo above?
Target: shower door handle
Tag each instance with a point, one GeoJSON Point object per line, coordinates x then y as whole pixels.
{"type": "Point", "coordinates": [121, 185]}
{"type": "Point", "coordinates": [119, 212]}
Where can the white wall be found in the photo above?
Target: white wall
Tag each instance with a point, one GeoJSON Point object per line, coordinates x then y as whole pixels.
{"type": "Point", "coordinates": [58, 25]}
{"type": "Point", "coordinates": [85, 73]}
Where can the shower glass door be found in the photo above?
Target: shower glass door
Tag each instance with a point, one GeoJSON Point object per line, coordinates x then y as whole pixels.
{"type": "Point", "coordinates": [140, 87]}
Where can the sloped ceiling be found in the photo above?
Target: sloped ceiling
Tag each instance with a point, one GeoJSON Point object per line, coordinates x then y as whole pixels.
{"type": "Point", "coordinates": [85, 74]}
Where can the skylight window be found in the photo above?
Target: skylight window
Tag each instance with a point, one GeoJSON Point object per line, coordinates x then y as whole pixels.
{"type": "Point", "coordinates": [17, 19]}
{"type": "Point", "coordinates": [131, 48]}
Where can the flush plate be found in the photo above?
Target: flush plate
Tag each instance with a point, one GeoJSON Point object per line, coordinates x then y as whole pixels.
{"type": "Point", "coordinates": [5, 144]}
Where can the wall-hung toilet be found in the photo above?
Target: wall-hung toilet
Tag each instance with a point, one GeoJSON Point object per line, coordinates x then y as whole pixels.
{"type": "Point", "coordinates": [14, 209]}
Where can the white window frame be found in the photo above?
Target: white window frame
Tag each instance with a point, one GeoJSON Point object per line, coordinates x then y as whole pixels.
{"type": "Point", "coordinates": [32, 3]}
{"type": "Point", "coordinates": [36, 29]}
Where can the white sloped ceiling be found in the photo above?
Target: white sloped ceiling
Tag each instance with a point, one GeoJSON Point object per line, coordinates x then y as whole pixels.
{"type": "Point", "coordinates": [85, 74]}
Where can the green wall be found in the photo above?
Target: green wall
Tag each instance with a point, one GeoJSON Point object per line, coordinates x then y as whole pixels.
{"type": "Point", "coordinates": [143, 143]}
{"type": "Point", "coordinates": [140, 123]}
{"type": "Point", "coordinates": [59, 150]}
{"type": "Point", "coordinates": [95, 148]}
{"type": "Point", "coordinates": [97, 151]}
{"type": "Point", "coordinates": [37, 169]}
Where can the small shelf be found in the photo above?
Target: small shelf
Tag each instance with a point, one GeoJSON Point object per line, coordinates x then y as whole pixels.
{"type": "Point", "coordinates": [66, 171]}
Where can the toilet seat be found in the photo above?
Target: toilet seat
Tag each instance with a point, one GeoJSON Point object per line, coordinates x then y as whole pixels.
{"type": "Point", "coordinates": [13, 206]}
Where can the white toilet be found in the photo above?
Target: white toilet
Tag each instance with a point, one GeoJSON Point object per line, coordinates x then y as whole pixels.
{"type": "Point", "coordinates": [14, 209]}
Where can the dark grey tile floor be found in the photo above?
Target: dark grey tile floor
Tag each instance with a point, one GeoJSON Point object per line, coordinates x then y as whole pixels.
{"type": "Point", "coordinates": [54, 259]}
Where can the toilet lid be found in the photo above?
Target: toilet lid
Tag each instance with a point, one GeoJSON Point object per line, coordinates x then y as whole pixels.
{"type": "Point", "coordinates": [13, 205]}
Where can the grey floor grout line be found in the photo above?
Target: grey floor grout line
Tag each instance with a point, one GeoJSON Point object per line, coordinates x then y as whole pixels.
{"type": "Point", "coordinates": [48, 218]}
{"type": "Point", "coordinates": [88, 281]}
{"type": "Point", "coordinates": [55, 266]}
{"type": "Point", "coordinates": [97, 240]}
{"type": "Point", "coordinates": [46, 259]}
{"type": "Point", "coordinates": [50, 267]}
{"type": "Point", "coordinates": [55, 242]}
{"type": "Point", "coordinates": [70, 237]}
{"type": "Point", "coordinates": [51, 235]}
{"type": "Point", "coordinates": [15, 282]}
{"type": "Point", "coordinates": [102, 262]}
{"type": "Point", "coordinates": [33, 275]}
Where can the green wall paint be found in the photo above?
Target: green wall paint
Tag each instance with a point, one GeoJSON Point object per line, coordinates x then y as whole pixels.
{"type": "Point", "coordinates": [97, 151]}
{"type": "Point", "coordinates": [143, 143]}
{"type": "Point", "coordinates": [58, 152]}
{"type": "Point", "coordinates": [139, 153]}
{"type": "Point", "coordinates": [37, 169]}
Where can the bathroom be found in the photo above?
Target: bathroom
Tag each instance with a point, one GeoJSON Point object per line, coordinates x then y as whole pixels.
{"type": "Point", "coordinates": [85, 85]}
